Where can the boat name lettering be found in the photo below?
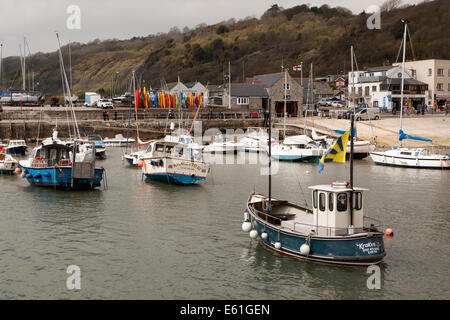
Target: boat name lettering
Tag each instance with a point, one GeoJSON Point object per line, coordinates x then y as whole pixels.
{"type": "Point", "coordinates": [369, 247]}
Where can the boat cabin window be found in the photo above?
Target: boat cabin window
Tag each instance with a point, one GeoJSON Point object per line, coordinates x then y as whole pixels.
{"type": "Point", "coordinates": [405, 153]}
{"type": "Point", "coordinates": [169, 149]}
{"type": "Point", "coordinates": [322, 201]}
{"type": "Point", "coordinates": [159, 148]}
{"type": "Point", "coordinates": [330, 201]}
{"type": "Point", "coordinates": [357, 200]}
{"type": "Point", "coordinates": [341, 203]}
{"type": "Point", "coordinates": [179, 151]}
{"type": "Point", "coordinates": [315, 199]}
{"type": "Point", "coordinates": [149, 149]}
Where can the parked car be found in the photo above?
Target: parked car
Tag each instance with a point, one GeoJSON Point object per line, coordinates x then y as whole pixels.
{"type": "Point", "coordinates": [105, 104]}
{"type": "Point", "coordinates": [54, 102]}
{"type": "Point", "coordinates": [323, 102]}
{"type": "Point", "coordinates": [368, 113]}
{"type": "Point", "coordinates": [338, 103]}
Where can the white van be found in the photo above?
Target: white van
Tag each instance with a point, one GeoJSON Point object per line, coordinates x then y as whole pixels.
{"type": "Point", "coordinates": [366, 113]}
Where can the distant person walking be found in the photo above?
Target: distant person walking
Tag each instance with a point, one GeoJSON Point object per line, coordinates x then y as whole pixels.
{"type": "Point", "coordinates": [104, 115]}
{"type": "Point", "coordinates": [115, 115]}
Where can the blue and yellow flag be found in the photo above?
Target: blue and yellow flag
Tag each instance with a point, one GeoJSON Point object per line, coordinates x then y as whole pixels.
{"type": "Point", "coordinates": [337, 151]}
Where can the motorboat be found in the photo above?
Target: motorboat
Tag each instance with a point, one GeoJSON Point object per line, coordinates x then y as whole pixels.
{"type": "Point", "coordinates": [171, 162]}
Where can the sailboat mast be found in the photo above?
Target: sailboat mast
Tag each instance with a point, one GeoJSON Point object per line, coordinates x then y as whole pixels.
{"type": "Point", "coordinates": [285, 90]}
{"type": "Point", "coordinates": [129, 114]}
{"type": "Point", "coordinates": [403, 77]}
{"type": "Point", "coordinates": [352, 119]}
{"type": "Point", "coordinates": [1, 58]}
{"type": "Point", "coordinates": [70, 68]}
{"type": "Point", "coordinates": [23, 67]}
{"type": "Point", "coordinates": [270, 155]}
{"type": "Point", "coordinates": [179, 105]}
{"type": "Point", "coordinates": [353, 80]}
{"type": "Point", "coordinates": [229, 84]}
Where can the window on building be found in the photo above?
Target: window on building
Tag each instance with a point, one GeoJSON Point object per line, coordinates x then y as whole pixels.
{"type": "Point", "coordinates": [449, 72]}
{"type": "Point", "coordinates": [287, 97]}
{"type": "Point", "coordinates": [440, 86]}
{"type": "Point", "coordinates": [360, 91]}
{"type": "Point", "coordinates": [366, 91]}
{"type": "Point", "coordinates": [448, 87]}
{"type": "Point", "coordinates": [375, 104]}
{"type": "Point", "coordinates": [374, 88]}
{"type": "Point", "coordinates": [399, 75]}
{"type": "Point", "coordinates": [440, 72]}
{"type": "Point", "coordinates": [413, 73]}
{"type": "Point", "coordinates": [430, 71]}
{"type": "Point", "coordinates": [286, 86]}
{"type": "Point", "coordinates": [242, 100]}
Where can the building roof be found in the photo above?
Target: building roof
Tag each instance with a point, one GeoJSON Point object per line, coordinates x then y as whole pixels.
{"type": "Point", "coordinates": [248, 90]}
{"type": "Point", "coordinates": [407, 81]}
{"type": "Point", "coordinates": [267, 79]}
{"type": "Point", "coordinates": [380, 69]}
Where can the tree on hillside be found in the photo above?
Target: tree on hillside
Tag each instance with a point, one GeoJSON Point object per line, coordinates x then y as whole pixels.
{"type": "Point", "coordinates": [273, 10]}
{"type": "Point", "coordinates": [390, 5]}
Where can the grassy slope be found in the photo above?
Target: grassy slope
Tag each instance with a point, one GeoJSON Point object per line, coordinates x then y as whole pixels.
{"type": "Point", "coordinates": [319, 36]}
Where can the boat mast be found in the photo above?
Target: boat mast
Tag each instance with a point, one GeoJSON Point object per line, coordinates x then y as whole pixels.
{"type": "Point", "coordinates": [285, 90]}
{"type": "Point", "coordinates": [403, 76]}
{"type": "Point", "coordinates": [70, 68]}
{"type": "Point", "coordinates": [129, 114]}
{"type": "Point", "coordinates": [229, 84]}
{"type": "Point", "coordinates": [352, 119]}
{"type": "Point", "coordinates": [270, 155]}
{"type": "Point", "coordinates": [179, 105]}
{"type": "Point", "coordinates": [353, 80]}
{"type": "Point", "coordinates": [1, 58]}
{"type": "Point", "coordinates": [23, 66]}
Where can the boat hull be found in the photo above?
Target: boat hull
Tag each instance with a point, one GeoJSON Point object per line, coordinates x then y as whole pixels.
{"type": "Point", "coordinates": [387, 159]}
{"type": "Point", "coordinates": [358, 250]}
{"type": "Point", "coordinates": [61, 178]}
{"type": "Point", "coordinates": [174, 178]}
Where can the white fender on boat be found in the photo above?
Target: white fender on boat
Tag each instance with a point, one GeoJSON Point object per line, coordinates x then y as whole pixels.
{"type": "Point", "coordinates": [264, 235]}
{"type": "Point", "coordinates": [304, 249]}
{"type": "Point", "coordinates": [277, 245]}
{"type": "Point", "coordinates": [246, 226]}
{"type": "Point", "coordinates": [246, 215]}
{"type": "Point", "coordinates": [253, 234]}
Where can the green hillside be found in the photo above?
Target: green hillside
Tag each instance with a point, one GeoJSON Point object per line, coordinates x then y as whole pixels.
{"type": "Point", "coordinates": [318, 35]}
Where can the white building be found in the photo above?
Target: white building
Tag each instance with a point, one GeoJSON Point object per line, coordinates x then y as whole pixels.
{"type": "Point", "coordinates": [435, 73]}
{"type": "Point", "coordinates": [380, 87]}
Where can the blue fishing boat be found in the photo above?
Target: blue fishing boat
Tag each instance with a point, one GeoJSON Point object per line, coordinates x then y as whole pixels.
{"type": "Point", "coordinates": [100, 149]}
{"type": "Point", "coordinates": [334, 231]}
{"type": "Point", "coordinates": [61, 166]}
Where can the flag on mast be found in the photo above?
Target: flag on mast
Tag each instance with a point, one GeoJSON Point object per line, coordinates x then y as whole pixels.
{"type": "Point", "coordinates": [337, 151]}
{"type": "Point", "coordinates": [297, 67]}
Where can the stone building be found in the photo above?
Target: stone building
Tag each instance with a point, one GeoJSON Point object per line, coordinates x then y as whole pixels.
{"type": "Point", "coordinates": [281, 87]}
{"type": "Point", "coordinates": [245, 96]}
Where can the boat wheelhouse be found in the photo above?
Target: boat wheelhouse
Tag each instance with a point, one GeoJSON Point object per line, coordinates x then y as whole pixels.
{"type": "Point", "coordinates": [173, 163]}
{"type": "Point", "coordinates": [7, 164]}
{"type": "Point", "coordinates": [16, 147]}
{"type": "Point", "coordinates": [332, 232]}
{"type": "Point", "coordinates": [57, 165]}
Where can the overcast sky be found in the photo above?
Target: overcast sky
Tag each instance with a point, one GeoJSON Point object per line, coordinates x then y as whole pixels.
{"type": "Point", "coordinates": [37, 20]}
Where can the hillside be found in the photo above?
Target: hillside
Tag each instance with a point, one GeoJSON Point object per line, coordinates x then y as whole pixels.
{"type": "Point", "coordinates": [321, 36]}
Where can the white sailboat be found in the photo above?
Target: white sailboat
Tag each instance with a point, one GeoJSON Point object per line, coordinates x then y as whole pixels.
{"type": "Point", "coordinates": [419, 158]}
{"type": "Point", "coordinates": [295, 148]}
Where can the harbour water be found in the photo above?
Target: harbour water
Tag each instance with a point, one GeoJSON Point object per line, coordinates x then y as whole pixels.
{"type": "Point", "coordinates": [150, 240]}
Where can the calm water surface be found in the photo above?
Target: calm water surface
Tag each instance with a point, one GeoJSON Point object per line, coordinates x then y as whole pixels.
{"type": "Point", "coordinates": [155, 241]}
